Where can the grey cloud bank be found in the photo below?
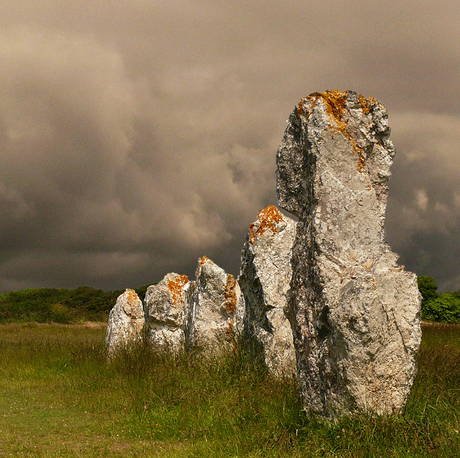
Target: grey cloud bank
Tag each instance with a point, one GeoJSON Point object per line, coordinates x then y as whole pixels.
{"type": "Point", "coordinates": [138, 137]}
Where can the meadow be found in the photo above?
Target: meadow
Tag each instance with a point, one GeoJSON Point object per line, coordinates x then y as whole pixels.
{"type": "Point", "coordinates": [59, 397]}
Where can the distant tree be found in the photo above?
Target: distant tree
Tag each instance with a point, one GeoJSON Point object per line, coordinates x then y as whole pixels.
{"type": "Point", "coordinates": [59, 305]}
{"type": "Point", "coordinates": [428, 288]}
{"type": "Point", "coordinates": [445, 309]}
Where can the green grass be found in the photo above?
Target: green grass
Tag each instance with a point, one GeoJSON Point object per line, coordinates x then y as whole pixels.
{"type": "Point", "coordinates": [59, 397]}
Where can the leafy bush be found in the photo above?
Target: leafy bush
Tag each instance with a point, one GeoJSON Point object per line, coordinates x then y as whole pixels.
{"type": "Point", "coordinates": [59, 305]}
{"type": "Point", "coordinates": [60, 313]}
{"type": "Point", "coordinates": [427, 287]}
{"type": "Point", "coordinates": [444, 309]}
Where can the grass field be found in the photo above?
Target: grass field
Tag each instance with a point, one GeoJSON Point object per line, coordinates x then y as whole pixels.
{"type": "Point", "coordinates": [59, 397]}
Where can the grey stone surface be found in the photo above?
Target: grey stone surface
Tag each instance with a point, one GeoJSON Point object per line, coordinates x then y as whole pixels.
{"type": "Point", "coordinates": [355, 313]}
{"type": "Point", "coordinates": [205, 314]}
{"type": "Point", "coordinates": [167, 309]}
{"type": "Point", "coordinates": [264, 279]}
{"type": "Point", "coordinates": [126, 322]}
{"type": "Point", "coordinates": [216, 309]}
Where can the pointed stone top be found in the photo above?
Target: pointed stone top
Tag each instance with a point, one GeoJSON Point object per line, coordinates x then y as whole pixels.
{"type": "Point", "coordinates": [130, 295]}
{"type": "Point", "coordinates": [130, 301]}
{"type": "Point", "coordinates": [203, 260]}
{"type": "Point", "coordinates": [332, 127]}
{"type": "Point", "coordinates": [340, 107]}
{"type": "Point", "coordinates": [337, 104]}
{"type": "Point", "coordinates": [204, 263]}
{"type": "Point", "coordinates": [267, 219]}
{"type": "Point", "coordinates": [175, 284]}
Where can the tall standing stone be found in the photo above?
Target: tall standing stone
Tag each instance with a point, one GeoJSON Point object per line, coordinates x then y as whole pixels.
{"type": "Point", "coordinates": [264, 279]}
{"type": "Point", "coordinates": [167, 309]}
{"type": "Point", "coordinates": [216, 308]}
{"type": "Point", "coordinates": [354, 312]}
{"type": "Point", "coordinates": [126, 322]}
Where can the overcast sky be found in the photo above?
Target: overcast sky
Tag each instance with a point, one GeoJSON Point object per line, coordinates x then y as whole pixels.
{"type": "Point", "coordinates": [138, 135]}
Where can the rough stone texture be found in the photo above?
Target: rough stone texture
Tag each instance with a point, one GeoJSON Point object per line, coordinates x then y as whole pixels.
{"type": "Point", "coordinates": [264, 279]}
{"type": "Point", "coordinates": [167, 308]}
{"type": "Point", "coordinates": [355, 313]}
{"type": "Point", "coordinates": [216, 308]}
{"type": "Point", "coordinates": [126, 322]}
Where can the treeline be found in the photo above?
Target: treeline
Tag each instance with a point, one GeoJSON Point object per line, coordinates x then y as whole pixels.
{"type": "Point", "coordinates": [45, 305]}
{"type": "Point", "coordinates": [443, 308]}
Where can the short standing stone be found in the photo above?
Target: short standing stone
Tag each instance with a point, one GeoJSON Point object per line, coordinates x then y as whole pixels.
{"type": "Point", "coordinates": [216, 308]}
{"type": "Point", "coordinates": [355, 313]}
{"type": "Point", "coordinates": [264, 279]}
{"type": "Point", "coordinates": [126, 322]}
{"type": "Point", "coordinates": [166, 306]}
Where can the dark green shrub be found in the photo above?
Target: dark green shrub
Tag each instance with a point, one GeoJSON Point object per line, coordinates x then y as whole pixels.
{"type": "Point", "coordinates": [57, 305]}
{"type": "Point", "coordinates": [427, 287]}
{"type": "Point", "coordinates": [60, 313]}
{"type": "Point", "coordinates": [444, 309]}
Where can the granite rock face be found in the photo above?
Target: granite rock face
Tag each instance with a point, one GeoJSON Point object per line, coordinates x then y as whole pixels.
{"type": "Point", "coordinates": [126, 322]}
{"type": "Point", "coordinates": [216, 308]}
{"type": "Point", "coordinates": [355, 314]}
{"type": "Point", "coordinates": [205, 314]}
{"type": "Point", "coordinates": [264, 278]}
{"type": "Point", "coordinates": [167, 309]}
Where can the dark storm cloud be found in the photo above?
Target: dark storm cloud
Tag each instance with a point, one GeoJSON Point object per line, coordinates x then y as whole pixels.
{"type": "Point", "coordinates": [424, 209]}
{"type": "Point", "coordinates": [136, 136]}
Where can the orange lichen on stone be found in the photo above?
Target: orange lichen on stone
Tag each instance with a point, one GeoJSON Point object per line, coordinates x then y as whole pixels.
{"type": "Point", "coordinates": [361, 162]}
{"type": "Point", "coordinates": [372, 100]}
{"type": "Point", "coordinates": [366, 104]}
{"type": "Point", "coordinates": [175, 286]}
{"type": "Point", "coordinates": [131, 295]}
{"type": "Point", "coordinates": [300, 108]}
{"type": "Point", "coordinates": [336, 107]}
{"type": "Point", "coordinates": [230, 294]}
{"type": "Point", "coordinates": [130, 306]}
{"type": "Point", "coordinates": [268, 218]}
{"type": "Point", "coordinates": [203, 260]}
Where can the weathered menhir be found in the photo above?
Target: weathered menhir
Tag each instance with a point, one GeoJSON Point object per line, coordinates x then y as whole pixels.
{"type": "Point", "coordinates": [354, 313]}
{"type": "Point", "coordinates": [321, 297]}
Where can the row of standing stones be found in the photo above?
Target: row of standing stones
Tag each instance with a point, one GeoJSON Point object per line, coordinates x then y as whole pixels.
{"type": "Point", "coordinates": [322, 296]}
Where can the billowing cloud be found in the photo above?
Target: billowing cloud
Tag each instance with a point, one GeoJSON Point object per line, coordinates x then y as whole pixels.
{"type": "Point", "coordinates": [137, 136]}
{"type": "Point", "coordinates": [424, 209]}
